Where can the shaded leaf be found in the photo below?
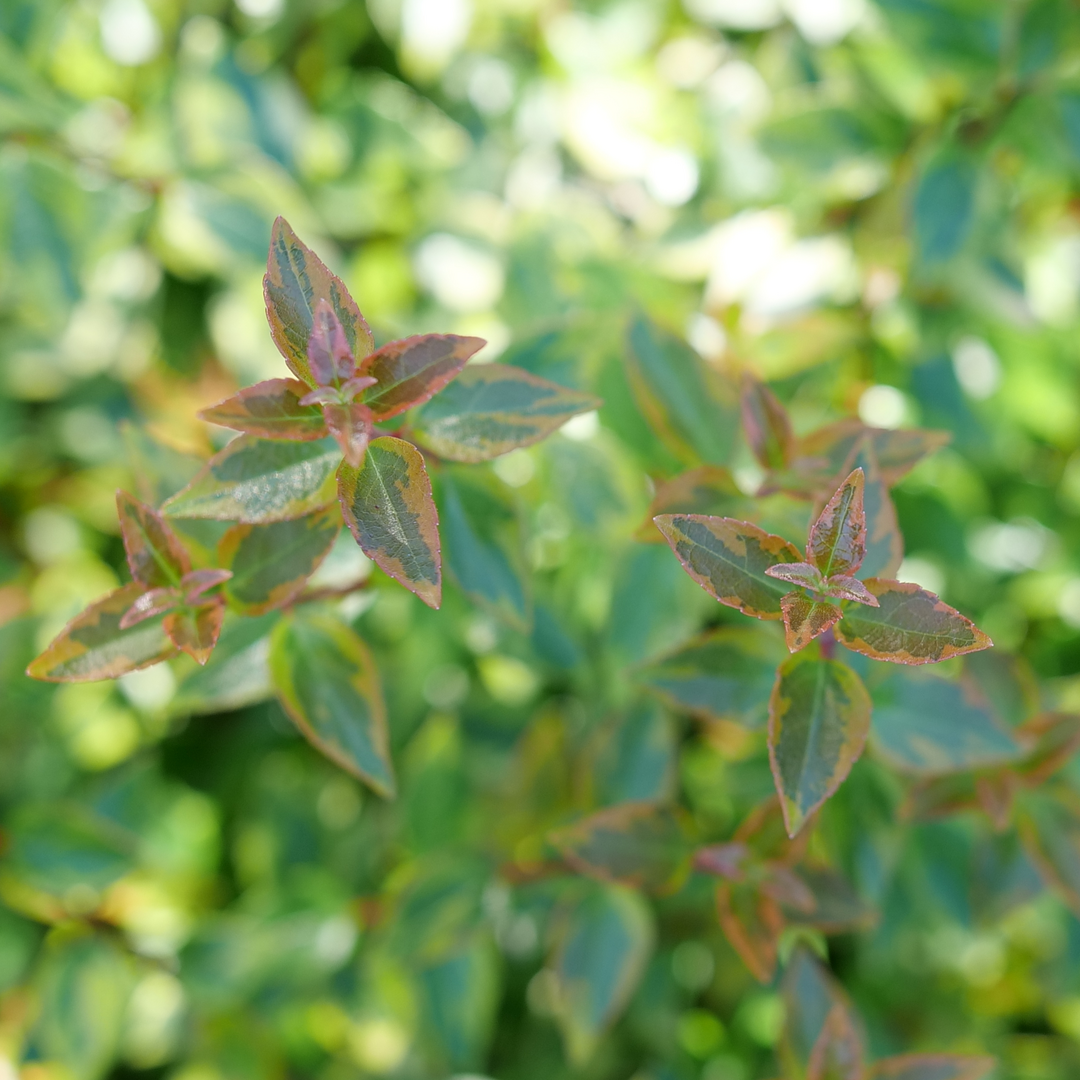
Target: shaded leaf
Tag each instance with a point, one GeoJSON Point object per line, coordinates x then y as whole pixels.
{"type": "Point", "coordinates": [388, 507]}
{"type": "Point", "coordinates": [271, 563]}
{"type": "Point", "coordinates": [92, 646]}
{"type": "Point", "coordinates": [837, 542]}
{"type": "Point", "coordinates": [296, 280]}
{"type": "Point", "coordinates": [834, 905]}
{"type": "Point", "coordinates": [599, 962]}
{"type": "Point", "coordinates": [727, 674]}
{"type": "Point", "coordinates": [327, 681]}
{"type": "Point", "coordinates": [257, 480]}
{"type": "Point", "coordinates": [1051, 832]}
{"type": "Point", "coordinates": [350, 425]}
{"type": "Point", "coordinates": [158, 469]}
{"type": "Point", "coordinates": [729, 560]}
{"type": "Point", "coordinates": [689, 405]}
{"type": "Point", "coordinates": [766, 424]}
{"type": "Point", "coordinates": [636, 843]}
{"type": "Point", "coordinates": [838, 1052]}
{"type": "Point", "coordinates": [410, 372]}
{"type": "Point", "coordinates": [707, 489]}
{"type": "Point", "coordinates": [944, 206]}
{"type": "Point", "coordinates": [330, 360]}
{"type": "Point", "coordinates": [752, 922]}
{"type": "Point", "coordinates": [491, 409]}
{"type": "Point", "coordinates": [1053, 739]}
{"type": "Point", "coordinates": [196, 630]}
{"type": "Point", "coordinates": [932, 1067]}
{"type": "Point", "coordinates": [884, 542]}
{"type": "Point", "coordinates": [910, 626]}
{"type": "Point", "coordinates": [634, 757]}
{"type": "Point", "coordinates": [155, 555]}
{"type": "Point", "coordinates": [809, 993]}
{"type": "Point", "coordinates": [819, 716]}
{"type": "Point", "coordinates": [806, 619]}
{"type": "Point", "coordinates": [270, 410]}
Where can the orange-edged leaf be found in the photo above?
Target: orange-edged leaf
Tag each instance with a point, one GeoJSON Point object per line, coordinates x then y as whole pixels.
{"type": "Point", "coordinates": [296, 280]}
{"type": "Point", "coordinates": [491, 409]}
{"type": "Point", "coordinates": [708, 489]}
{"type": "Point", "coordinates": [154, 602]}
{"type": "Point", "coordinates": [809, 993]}
{"type": "Point", "coordinates": [326, 679]}
{"type": "Point", "coordinates": [350, 425]}
{"type": "Point", "coordinates": [722, 860]}
{"type": "Point", "coordinates": [729, 559]}
{"type": "Point", "coordinates": [909, 626]}
{"type": "Point", "coordinates": [92, 646]}
{"type": "Point", "coordinates": [635, 843]}
{"type": "Point", "coordinates": [271, 563]}
{"type": "Point", "coordinates": [806, 619]}
{"type": "Point", "coordinates": [388, 507]}
{"type": "Point", "coordinates": [271, 410]}
{"type": "Point", "coordinates": [330, 360]}
{"type": "Point", "coordinates": [838, 1052]}
{"type": "Point", "coordinates": [1050, 828]}
{"type": "Point", "coordinates": [1053, 738]}
{"type": "Point", "coordinates": [259, 480]}
{"type": "Point", "coordinates": [819, 717]}
{"type": "Point", "coordinates": [752, 922]}
{"type": "Point", "coordinates": [410, 372]}
{"type": "Point", "coordinates": [196, 630]}
{"type": "Point", "coordinates": [996, 795]}
{"type": "Point", "coordinates": [837, 541]}
{"type": "Point", "coordinates": [846, 587]}
{"type": "Point", "coordinates": [199, 582]}
{"type": "Point", "coordinates": [834, 907]}
{"type": "Point", "coordinates": [798, 573]}
{"type": "Point", "coordinates": [896, 450]}
{"type": "Point", "coordinates": [884, 541]}
{"type": "Point", "coordinates": [932, 1067]}
{"type": "Point", "coordinates": [766, 424]}
{"type": "Point", "coordinates": [155, 555]}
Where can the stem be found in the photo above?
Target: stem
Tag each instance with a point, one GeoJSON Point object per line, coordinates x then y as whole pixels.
{"type": "Point", "coordinates": [828, 644]}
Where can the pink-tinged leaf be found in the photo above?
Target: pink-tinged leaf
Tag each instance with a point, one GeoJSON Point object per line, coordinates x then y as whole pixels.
{"type": "Point", "coordinates": [838, 1052]}
{"type": "Point", "coordinates": [846, 587]}
{"type": "Point", "coordinates": [799, 573]}
{"type": "Point", "coordinates": [909, 626]}
{"type": "Point", "coordinates": [93, 646]}
{"type": "Point", "coordinates": [296, 280]}
{"type": "Point", "coordinates": [819, 717]}
{"type": "Point", "coordinates": [809, 993]}
{"type": "Point", "coordinates": [409, 372]}
{"type": "Point", "coordinates": [806, 619]}
{"type": "Point", "coordinates": [729, 560]}
{"type": "Point", "coordinates": [752, 922]}
{"type": "Point", "coordinates": [722, 860]}
{"type": "Point", "coordinates": [932, 1067]}
{"type": "Point", "coordinates": [330, 359]}
{"type": "Point", "coordinates": [837, 541]}
{"type": "Point", "coordinates": [196, 630]}
{"type": "Point", "coordinates": [824, 452]}
{"type": "Point", "coordinates": [274, 409]}
{"type": "Point", "coordinates": [388, 507]}
{"type": "Point", "coordinates": [884, 542]}
{"type": "Point", "coordinates": [155, 555]}
{"type": "Point", "coordinates": [154, 602]}
{"type": "Point", "coordinates": [351, 427]}
{"type": "Point", "coordinates": [828, 903]}
{"type": "Point", "coordinates": [766, 424]}
{"type": "Point", "coordinates": [321, 395]}
{"type": "Point", "coordinates": [199, 582]}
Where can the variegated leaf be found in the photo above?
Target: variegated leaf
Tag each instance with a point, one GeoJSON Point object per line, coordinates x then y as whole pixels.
{"type": "Point", "coordinates": [884, 541]}
{"type": "Point", "coordinates": [350, 425]}
{"type": "Point", "coordinates": [799, 573]}
{"type": "Point", "coordinates": [195, 630]}
{"type": "Point", "coordinates": [270, 410]}
{"type": "Point", "coordinates": [766, 424]}
{"type": "Point", "coordinates": [837, 542]}
{"type": "Point", "coordinates": [838, 1052]}
{"type": "Point", "coordinates": [330, 360]}
{"type": "Point", "coordinates": [155, 555]}
{"type": "Point", "coordinates": [806, 619]}
{"type": "Point", "coordinates": [752, 922]}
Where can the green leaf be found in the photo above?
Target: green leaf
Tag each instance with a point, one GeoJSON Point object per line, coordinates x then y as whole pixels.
{"type": "Point", "coordinates": [155, 555]}
{"type": "Point", "coordinates": [884, 542]}
{"type": "Point", "coordinates": [752, 922]}
{"type": "Point", "coordinates": [195, 630]}
{"type": "Point", "coordinates": [158, 469]}
{"type": "Point", "coordinates": [766, 424]}
{"type": "Point", "coordinates": [727, 674]}
{"type": "Point", "coordinates": [944, 206]}
{"type": "Point", "coordinates": [481, 534]}
{"type": "Point", "coordinates": [687, 403]}
{"type": "Point", "coordinates": [909, 626]}
{"type": "Point", "coordinates": [819, 716]}
{"type": "Point", "coordinates": [1050, 828]}
{"type": "Point", "coordinates": [809, 993]}
{"type": "Point", "coordinates": [729, 559]}
{"type": "Point", "coordinates": [834, 907]}
{"type": "Point", "coordinates": [388, 507]}
{"type": "Point", "coordinates": [270, 410]}
{"type": "Point", "coordinates": [92, 646]}
{"type": "Point", "coordinates": [634, 756]}
{"type": "Point", "coordinates": [600, 960]}
{"type": "Point", "coordinates": [328, 684]}
{"type": "Point", "coordinates": [837, 542]}
{"type": "Point", "coordinates": [256, 480]}
{"type": "Point", "coordinates": [491, 409]}
{"type": "Point", "coordinates": [296, 280]}
{"type": "Point", "coordinates": [410, 372]}
{"type": "Point", "coordinates": [806, 619]}
{"type": "Point", "coordinates": [838, 1052]}
{"type": "Point", "coordinates": [709, 489]}
{"type": "Point", "coordinates": [637, 843]}
{"type": "Point", "coordinates": [932, 1067]}
{"type": "Point", "coordinates": [271, 563]}
{"type": "Point", "coordinates": [929, 725]}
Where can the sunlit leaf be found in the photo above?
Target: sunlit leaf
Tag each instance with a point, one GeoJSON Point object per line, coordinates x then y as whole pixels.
{"type": "Point", "coordinates": [910, 626]}
{"type": "Point", "coordinates": [389, 509]}
{"type": "Point", "coordinates": [92, 646]}
{"type": "Point", "coordinates": [932, 1067]}
{"type": "Point", "coordinates": [271, 563]}
{"type": "Point", "coordinates": [270, 410]}
{"type": "Point", "coordinates": [752, 922]}
{"type": "Point", "coordinates": [799, 573]}
{"type": "Point", "coordinates": [884, 542]}
{"type": "Point", "coordinates": [637, 843]}
{"type": "Point", "coordinates": [327, 681]}
{"type": "Point", "coordinates": [196, 630]}
{"type": "Point", "coordinates": [155, 555]}
{"type": "Point", "coordinates": [259, 480]}
{"type": "Point", "coordinates": [410, 372]}
{"type": "Point", "coordinates": [600, 960]}
{"type": "Point", "coordinates": [806, 619]}
{"type": "Point", "coordinates": [838, 1052]}
{"type": "Point", "coordinates": [819, 717]}
{"type": "Point", "coordinates": [149, 604]}
{"type": "Point", "coordinates": [350, 425]}
{"type": "Point", "coordinates": [837, 541]}
{"type": "Point", "coordinates": [846, 587]}
{"type": "Point", "coordinates": [330, 360]}
{"type": "Point", "coordinates": [491, 409]}
{"type": "Point", "coordinates": [296, 280]}
{"type": "Point", "coordinates": [729, 559]}
{"type": "Point", "coordinates": [766, 424]}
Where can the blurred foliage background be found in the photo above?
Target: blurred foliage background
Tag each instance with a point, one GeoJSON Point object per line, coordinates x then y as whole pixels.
{"type": "Point", "coordinates": [873, 205]}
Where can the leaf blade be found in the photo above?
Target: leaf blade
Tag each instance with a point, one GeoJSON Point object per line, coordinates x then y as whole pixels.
{"type": "Point", "coordinates": [270, 410]}
{"type": "Point", "coordinates": [154, 553]}
{"type": "Point", "coordinates": [766, 424]}
{"type": "Point", "coordinates": [837, 543]}
{"type": "Point", "coordinates": [806, 619]}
